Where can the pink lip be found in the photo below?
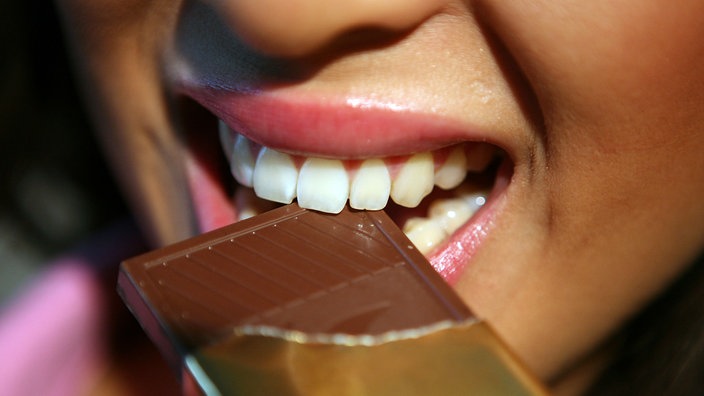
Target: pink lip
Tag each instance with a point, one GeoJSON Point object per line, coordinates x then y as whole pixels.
{"type": "Point", "coordinates": [341, 128]}
{"type": "Point", "coordinates": [451, 259]}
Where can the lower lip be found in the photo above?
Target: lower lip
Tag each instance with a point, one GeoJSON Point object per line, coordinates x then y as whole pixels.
{"type": "Point", "coordinates": [453, 257]}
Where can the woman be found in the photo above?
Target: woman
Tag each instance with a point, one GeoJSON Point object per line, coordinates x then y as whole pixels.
{"type": "Point", "coordinates": [578, 125]}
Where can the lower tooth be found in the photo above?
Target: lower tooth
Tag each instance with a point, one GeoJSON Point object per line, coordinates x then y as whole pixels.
{"type": "Point", "coordinates": [445, 216]}
{"type": "Point", "coordinates": [275, 176]}
{"type": "Point", "coordinates": [425, 233]}
{"type": "Point", "coordinates": [451, 213]}
{"type": "Point", "coordinates": [414, 181]}
{"type": "Point", "coordinates": [323, 185]}
{"type": "Point", "coordinates": [475, 198]}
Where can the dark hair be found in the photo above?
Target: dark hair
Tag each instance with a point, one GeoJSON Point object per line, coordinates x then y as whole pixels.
{"type": "Point", "coordinates": [661, 350]}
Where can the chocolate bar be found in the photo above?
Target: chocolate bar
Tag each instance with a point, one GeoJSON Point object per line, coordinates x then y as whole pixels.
{"type": "Point", "coordinates": [299, 302]}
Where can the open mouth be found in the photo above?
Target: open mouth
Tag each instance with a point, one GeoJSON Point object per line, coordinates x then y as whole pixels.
{"type": "Point", "coordinates": [307, 130]}
{"type": "Point", "coordinates": [443, 191]}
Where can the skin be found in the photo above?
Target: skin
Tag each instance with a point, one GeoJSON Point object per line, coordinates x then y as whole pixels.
{"type": "Point", "coordinates": [600, 105]}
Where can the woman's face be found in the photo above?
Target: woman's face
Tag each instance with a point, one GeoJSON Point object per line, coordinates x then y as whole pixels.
{"type": "Point", "coordinates": [578, 124]}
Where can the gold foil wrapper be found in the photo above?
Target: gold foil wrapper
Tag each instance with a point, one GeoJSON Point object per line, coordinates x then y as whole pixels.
{"type": "Point", "coordinates": [445, 359]}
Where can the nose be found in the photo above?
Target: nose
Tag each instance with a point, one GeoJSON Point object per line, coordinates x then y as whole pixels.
{"type": "Point", "coordinates": [296, 27]}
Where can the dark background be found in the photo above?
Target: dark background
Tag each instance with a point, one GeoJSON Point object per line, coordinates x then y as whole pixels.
{"type": "Point", "coordinates": [55, 188]}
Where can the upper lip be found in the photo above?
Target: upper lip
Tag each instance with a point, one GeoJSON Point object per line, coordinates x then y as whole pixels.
{"type": "Point", "coordinates": [344, 127]}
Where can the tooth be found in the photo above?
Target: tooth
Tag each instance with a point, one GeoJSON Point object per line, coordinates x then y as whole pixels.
{"type": "Point", "coordinates": [453, 171]}
{"type": "Point", "coordinates": [414, 181]}
{"type": "Point", "coordinates": [479, 157]}
{"type": "Point", "coordinates": [241, 161]}
{"type": "Point", "coordinates": [451, 213]}
{"type": "Point", "coordinates": [371, 186]}
{"type": "Point", "coordinates": [473, 196]}
{"type": "Point", "coordinates": [323, 185]}
{"type": "Point", "coordinates": [275, 176]}
{"type": "Point", "coordinates": [226, 140]}
{"type": "Point", "coordinates": [475, 201]}
{"type": "Point", "coordinates": [425, 234]}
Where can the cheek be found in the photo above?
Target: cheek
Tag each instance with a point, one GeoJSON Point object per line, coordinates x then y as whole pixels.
{"type": "Point", "coordinates": [621, 90]}
{"type": "Point", "coordinates": [636, 83]}
{"type": "Point", "coordinates": [620, 86]}
{"type": "Point", "coordinates": [604, 66]}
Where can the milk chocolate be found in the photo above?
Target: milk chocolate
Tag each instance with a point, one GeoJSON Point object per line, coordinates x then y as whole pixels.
{"type": "Point", "coordinates": [285, 283]}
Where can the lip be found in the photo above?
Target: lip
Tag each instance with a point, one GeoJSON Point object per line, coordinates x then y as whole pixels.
{"type": "Point", "coordinates": [333, 127]}
{"type": "Point", "coordinates": [450, 259]}
{"type": "Point", "coordinates": [348, 129]}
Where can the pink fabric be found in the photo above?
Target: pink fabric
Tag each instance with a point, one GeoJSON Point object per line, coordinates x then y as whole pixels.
{"type": "Point", "coordinates": [52, 335]}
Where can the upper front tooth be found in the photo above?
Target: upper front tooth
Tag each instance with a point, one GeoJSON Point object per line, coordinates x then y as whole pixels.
{"type": "Point", "coordinates": [242, 163]}
{"type": "Point", "coordinates": [453, 171]}
{"type": "Point", "coordinates": [323, 185]}
{"type": "Point", "coordinates": [414, 181]}
{"type": "Point", "coordinates": [371, 186]}
{"type": "Point", "coordinates": [275, 176]}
